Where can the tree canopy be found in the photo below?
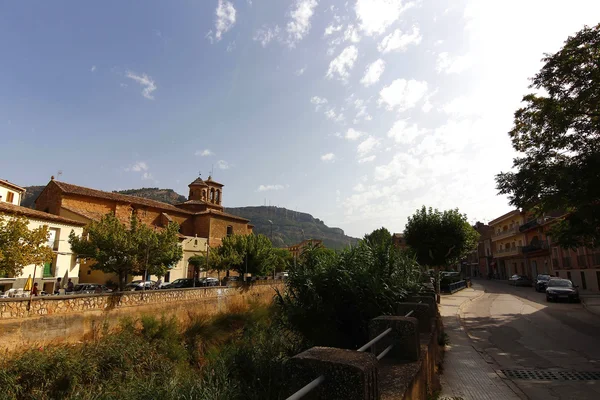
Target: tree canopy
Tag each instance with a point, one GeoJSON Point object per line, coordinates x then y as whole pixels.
{"type": "Point", "coordinates": [128, 249]}
{"type": "Point", "coordinates": [440, 238]}
{"type": "Point", "coordinates": [20, 246]}
{"type": "Point", "coordinates": [557, 134]}
{"type": "Point", "coordinates": [247, 253]}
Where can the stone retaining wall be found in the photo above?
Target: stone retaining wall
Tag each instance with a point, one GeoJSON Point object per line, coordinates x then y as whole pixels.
{"type": "Point", "coordinates": [51, 319]}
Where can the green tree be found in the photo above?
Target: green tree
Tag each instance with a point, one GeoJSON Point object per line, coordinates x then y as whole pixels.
{"type": "Point", "coordinates": [380, 242]}
{"type": "Point", "coordinates": [20, 246]}
{"type": "Point", "coordinates": [248, 253]}
{"type": "Point", "coordinates": [557, 134]}
{"type": "Point", "coordinates": [128, 249]}
{"type": "Point", "coordinates": [439, 239]}
{"type": "Point", "coordinates": [282, 259]}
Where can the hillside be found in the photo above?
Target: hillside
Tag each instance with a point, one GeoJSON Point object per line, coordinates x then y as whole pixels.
{"type": "Point", "coordinates": [289, 227]}
{"type": "Point", "coordinates": [164, 195]}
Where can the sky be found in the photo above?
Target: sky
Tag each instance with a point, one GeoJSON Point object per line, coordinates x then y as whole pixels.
{"type": "Point", "coordinates": [358, 112]}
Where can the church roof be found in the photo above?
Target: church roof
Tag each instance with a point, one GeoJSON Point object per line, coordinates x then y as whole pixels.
{"type": "Point", "coordinates": [210, 180]}
{"type": "Point", "coordinates": [198, 182]}
{"type": "Point", "coordinates": [8, 208]}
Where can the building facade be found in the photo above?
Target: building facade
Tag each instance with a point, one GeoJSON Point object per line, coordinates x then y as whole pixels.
{"type": "Point", "coordinates": [11, 193]}
{"type": "Point", "coordinates": [203, 223]}
{"type": "Point", "coordinates": [64, 263]}
{"type": "Point", "coordinates": [507, 244]}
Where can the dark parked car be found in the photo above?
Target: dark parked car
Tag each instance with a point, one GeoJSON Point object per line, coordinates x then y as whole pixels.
{"type": "Point", "coordinates": [209, 281]}
{"type": "Point", "coordinates": [519, 280]}
{"type": "Point", "coordinates": [540, 282]}
{"type": "Point", "coordinates": [183, 283]}
{"type": "Point", "coordinates": [139, 285]}
{"type": "Point", "coordinates": [561, 289]}
{"type": "Point", "coordinates": [87, 288]}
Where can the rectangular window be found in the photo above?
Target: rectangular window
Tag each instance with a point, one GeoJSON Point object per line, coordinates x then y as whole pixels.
{"type": "Point", "coordinates": [10, 196]}
{"type": "Point", "coordinates": [168, 277]}
{"type": "Point", "coordinates": [583, 282]}
{"type": "Point", "coordinates": [569, 275]}
{"type": "Point", "coordinates": [229, 230]}
{"type": "Point", "coordinates": [48, 270]}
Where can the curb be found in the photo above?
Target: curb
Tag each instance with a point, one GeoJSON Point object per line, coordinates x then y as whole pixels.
{"type": "Point", "coordinates": [588, 309]}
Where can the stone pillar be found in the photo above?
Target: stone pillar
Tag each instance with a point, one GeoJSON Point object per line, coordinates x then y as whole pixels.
{"type": "Point", "coordinates": [422, 312]}
{"type": "Point", "coordinates": [349, 375]}
{"type": "Point", "coordinates": [404, 336]}
{"type": "Point", "coordinates": [429, 300]}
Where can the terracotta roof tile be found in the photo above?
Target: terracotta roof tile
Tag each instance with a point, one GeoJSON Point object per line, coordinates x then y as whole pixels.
{"type": "Point", "coordinates": [12, 185]}
{"type": "Point", "coordinates": [83, 191]}
{"type": "Point", "coordinates": [7, 208]}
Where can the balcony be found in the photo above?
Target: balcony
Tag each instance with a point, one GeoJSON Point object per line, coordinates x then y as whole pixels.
{"type": "Point", "coordinates": [555, 263]}
{"type": "Point", "coordinates": [505, 234]}
{"type": "Point", "coordinates": [512, 251]}
{"type": "Point", "coordinates": [529, 225]}
{"type": "Point", "coordinates": [582, 261]}
{"type": "Point", "coordinates": [535, 247]}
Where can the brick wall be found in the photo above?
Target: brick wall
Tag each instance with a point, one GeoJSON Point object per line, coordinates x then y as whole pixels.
{"type": "Point", "coordinates": [218, 229]}
{"type": "Point", "coordinates": [49, 200]}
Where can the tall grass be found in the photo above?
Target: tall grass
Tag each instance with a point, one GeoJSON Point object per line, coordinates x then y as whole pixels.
{"type": "Point", "coordinates": [236, 355]}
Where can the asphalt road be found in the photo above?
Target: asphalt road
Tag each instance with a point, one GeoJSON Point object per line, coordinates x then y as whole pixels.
{"type": "Point", "coordinates": [516, 329]}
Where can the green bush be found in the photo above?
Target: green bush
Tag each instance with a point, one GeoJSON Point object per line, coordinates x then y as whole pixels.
{"type": "Point", "coordinates": [330, 298]}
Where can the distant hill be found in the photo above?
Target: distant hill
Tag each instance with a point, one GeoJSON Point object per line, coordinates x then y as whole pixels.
{"type": "Point", "coordinates": [289, 227]}
{"type": "Point", "coordinates": [31, 194]}
{"type": "Point", "coordinates": [164, 195]}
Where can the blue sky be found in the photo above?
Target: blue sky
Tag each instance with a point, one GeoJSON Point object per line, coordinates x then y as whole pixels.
{"type": "Point", "coordinates": [357, 112]}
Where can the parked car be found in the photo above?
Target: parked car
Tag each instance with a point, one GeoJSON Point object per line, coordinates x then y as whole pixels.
{"type": "Point", "coordinates": [183, 283]}
{"type": "Point", "coordinates": [519, 280]}
{"type": "Point", "coordinates": [540, 282]}
{"type": "Point", "coordinates": [86, 288]}
{"type": "Point", "coordinates": [140, 285]}
{"type": "Point", "coordinates": [209, 281]}
{"type": "Point", "coordinates": [561, 289]}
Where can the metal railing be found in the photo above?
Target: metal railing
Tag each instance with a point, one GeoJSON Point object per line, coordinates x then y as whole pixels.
{"type": "Point", "coordinates": [316, 382]}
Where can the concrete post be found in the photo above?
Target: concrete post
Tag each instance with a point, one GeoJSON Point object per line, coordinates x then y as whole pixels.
{"type": "Point", "coordinates": [349, 375]}
{"type": "Point", "coordinates": [422, 312]}
{"type": "Point", "coordinates": [404, 336]}
{"type": "Point", "coordinates": [429, 300]}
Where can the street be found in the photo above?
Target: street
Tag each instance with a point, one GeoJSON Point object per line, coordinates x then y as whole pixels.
{"type": "Point", "coordinates": [514, 329]}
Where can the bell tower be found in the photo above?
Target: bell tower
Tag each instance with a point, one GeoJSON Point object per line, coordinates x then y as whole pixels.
{"type": "Point", "coordinates": [204, 195]}
{"type": "Point", "coordinates": [198, 190]}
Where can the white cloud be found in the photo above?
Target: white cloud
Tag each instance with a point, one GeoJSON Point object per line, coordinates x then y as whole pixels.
{"type": "Point", "coordinates": [332, 29]}
{"type": "Point", "coordinates": [341, 65]}
{"type": "Point", "coordinates": [138, 167]}
{"type": "Point", "coordinates": [318, 102]}
{"type": "Point", "coordinates": [147, 176]}
{"type": "Point", "coordinates": [332, 115]}
{"type": "Point", "coordinates": [222, 164]}
{"type": "Point", "coordinates": [427, 106]}
{"type": "Point", "coordinates": [231, 47]}
{"type": "Point", "coordinates": [266, 188]}
{"type": "Point", "coordinates": [361, 109]}
{"type": "Point", "coordinates": [402, 94]}
{"type": "Point", "coordinates": [146, 81]}
{"type": "Point", "coordinates": [93, 68]}
{"type": "Point", "coordinates": [300, 71]}
{"type": "Point", "coordinates": [225, 20]}
{"type": "Point", "coordinates": [367, 146]}
{"type": "Point", "coordinates": [452, 65]}
{"type": "Point", "coordinates": [329, 157]}
{"type": "Point", "coordinates": [266, 34]}
{"type": "Point", "coordinates": [353, 134]}
{"type": "Point", "coordinates": [373, 73]}
{"type": "Point", "coordinates": [375, 16]}
{"type": "Point", "coordinates": [299, 25]}
{"type": "Point", "coordinates": [398, 41]}
{"type": "Point", "coordinates": [359, 187]}
{"type": "Point", "coordinates": [204, 153]}
{"type": "Point", "coordinates": [366, 159]}
{"type": "Point", "coordinates": [351, 34]}
{"type": "Point", "coordinates": [403, 133]}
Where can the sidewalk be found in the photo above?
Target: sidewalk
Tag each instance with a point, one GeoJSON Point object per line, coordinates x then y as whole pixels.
{"type": "Point", "coordinates": [591, 302]}
{"type": "Point", "coordinates": [466, 374]}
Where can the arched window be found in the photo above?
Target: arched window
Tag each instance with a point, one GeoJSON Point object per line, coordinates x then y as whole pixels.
{"type": "Point", "coordinates": [212, 195]}
{"type": "Point", "coordinates": [203, 194]}
{"type": "Point", "coordinates": [218, 197]}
